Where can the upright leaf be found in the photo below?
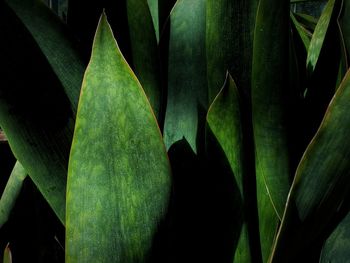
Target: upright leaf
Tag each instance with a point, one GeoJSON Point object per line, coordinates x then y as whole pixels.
{"type": "Point", "coordinates": [303, 33]}
{"type": "Point", "coordinates": [7, 255]}
{"type": "Point", "coordinates": [345, 24]}
{"type": "Point", "coordinates": [269, 111]}
{"type": "Point", "coordinates": [187, 83]}
{"type": "Point", "coordinates": [320, 184]}
{"type": "Point", "coordinates": [118, 187]}
{"type": "Point", "coordinates": [319, 35]}
{"type": "Point", "coordinates": [225, 120]}
{"type": "Point", "coordinates": [154, 9]}
{"type": "Point", "coordinates": [229, 42]}
{"type": "Point", "coordinates": [144, 51]}
{"type": "Point", "coordinates": [11, 192]}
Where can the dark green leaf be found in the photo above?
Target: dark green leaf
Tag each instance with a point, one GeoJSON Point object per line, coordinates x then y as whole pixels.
{"type": "Point", "coordinates": [229, 42]}
{"type": "Point", "coordinates": [224, 120]}
{"type": "Point", "coordinates": [345, 24]}
{"type": "Point", "coordinates": [321, 181]}
{"type": "Point", "coordinates": [187, 83]}
{"type": "Point", "coordinates": [119, 174]}
{"type": "Point", "coordinates": [11, 192]}
{"type": "Point", "coordinates": [336, 248]}
{"type": "Point", "coordinates": [303, 33]}
{"type": "Point", "coordinates": [269, 109]}
{"type": "Point", "coordinates": [153, 7]}
{"type": "Point", "coordinates": [144, 50]}
{"type": "Point", "coordinates": [35, 112]}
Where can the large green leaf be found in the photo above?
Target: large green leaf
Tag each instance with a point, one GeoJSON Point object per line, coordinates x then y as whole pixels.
{"type": "Point", "coordinates": [319, 36]}
{"type": "Point", "coordinates": [35, 112]}
{"type": "Point", "coordinates": [224, 120]}
{"type": "Point", "coordinates": [269, 111]}
{"type": "Point", "coordinates": [336, 248]}
{"type": "Point", "coordinates": [144, 50]}
{"type": "Point", "coordinates": [11, 192]}
{"type": "Point", "coordinates": [187, 83]}
{"type": "Point", "coordinates": [320, 184]}
{"type": "Point", "coordinates": [229, 42]}
{"type": "Point", "coordinates": [118, 186]}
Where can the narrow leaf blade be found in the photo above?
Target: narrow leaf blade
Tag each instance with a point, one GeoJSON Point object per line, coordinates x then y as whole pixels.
{"type": "Point", "coordinates": [11, 192]}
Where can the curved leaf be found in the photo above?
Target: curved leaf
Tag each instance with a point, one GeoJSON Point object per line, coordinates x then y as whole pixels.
{"type": "Point", "coordinates": [35, 112]}
{"type": "Point", "coordinates": [269, 111]}
{"type": "Point", "coordinates": [303, 33]}
{"type": "Point", "coordinates": [118, 187]}
{"type": "Point", "coordinates": [58, 46]}
{"type": "Point", "coordinates": [11, 192]}
{"type": "Point", "coordinates": [187, 83]}
{"type": "Point", "coordinates": [321, 181]}
{"type": "Point", "coordinates": [224, 120]}
{"type": "Point", "coordinates": [154, 9]}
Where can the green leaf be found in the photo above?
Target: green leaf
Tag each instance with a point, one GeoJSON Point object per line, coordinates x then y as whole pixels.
{"type": "Point", "coordinates": [269, 111]}
{"type": "Point", "coordinates": [319, 36]}
{"type": "Point", "coordinates": [118, 187]}
{"type": "Point", "coordinates": [187, 83]}
{"type": "Point", "coordinates": [224, 121]}
{"type": "Point", "coordinates": [229, 42]}
{"type": "Point", "coordinates": [154, 9]}
{"type": "Point", "coordinates": [7, 255]}
{"type": "Point", "coordinates": [307, 21]}
{"type": "Point", "coordinates": [35, 112]}
{"type": "Point", "coordinates": [321, 181]}
{"type": "Point", "coordinates": [54, 40]}
{"type": "Point", "coordinates": [144, 50]}
{"type": "Point", "coordinates": [303, 33]}
{"type": "Point", "coordinates": [11, 192]}
{"type": "Point", "coordinates": [336, 248]}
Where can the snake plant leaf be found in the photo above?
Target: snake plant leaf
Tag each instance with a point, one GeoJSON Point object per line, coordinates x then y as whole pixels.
{"type": "Point", "coordinates": [269, 112]}
{"type": "Point", "coordinates": [154, 9]}
{"type": "Point", "coordinates": [187, 82]}
{"type": "Point", "coordinates": [321, 181]}
{"type": "Point", "coordinates": [11, 192]}
{"type": "Point", "coordinates": [224, 120]}
{"type": "Point", "coordinates": [319, 36]}
{"type": "Point", "coordinates": [56, 43]}
{"type": "Point", "coordinates": [7, 255]}
{"type": "Point", "coordinates": [144, 51]}
{"type": "Point", "coordinates": [336, 248]}
{"type": "Point", "coordinates": [229, 47]}
{"type": "Point", "coordinates": [118, 186]}
{"type": "Point", "coordinates": [304, 34]}
{"type": "Point", "coordinates": [35, 112]}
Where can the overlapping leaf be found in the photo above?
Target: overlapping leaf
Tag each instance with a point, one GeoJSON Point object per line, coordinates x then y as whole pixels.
{"type": "Point", "coordinates": [321, 182]}
{"type": "Point", "coordinates": [187, 82]}
{"type": "Point", "coordinates": [269, 109]}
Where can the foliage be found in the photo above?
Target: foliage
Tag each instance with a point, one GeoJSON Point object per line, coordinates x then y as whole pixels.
{"type": "Point", "coordinates": [201, 131]}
